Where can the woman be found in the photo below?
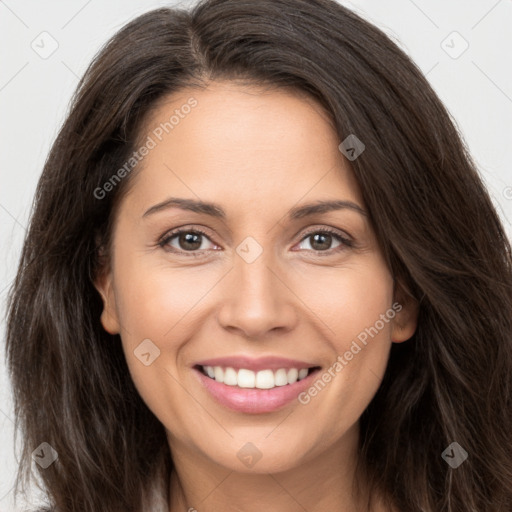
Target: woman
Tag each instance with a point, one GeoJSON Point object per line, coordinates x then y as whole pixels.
{"type": "Point", "coordinates": [262, 271]}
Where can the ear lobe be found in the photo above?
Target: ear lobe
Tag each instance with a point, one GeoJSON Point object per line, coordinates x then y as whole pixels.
{"type": "Point", "coordinates": [406, 320]}
{"type": "Point", "coordinates": [103, 283]}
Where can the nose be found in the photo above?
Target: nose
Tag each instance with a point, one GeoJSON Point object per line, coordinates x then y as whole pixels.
{"type": "Point", "coordinates": [256, 299]}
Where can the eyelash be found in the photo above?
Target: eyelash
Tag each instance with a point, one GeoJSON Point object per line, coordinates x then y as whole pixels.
{"type": "Point", "coordinates": [344, 242]}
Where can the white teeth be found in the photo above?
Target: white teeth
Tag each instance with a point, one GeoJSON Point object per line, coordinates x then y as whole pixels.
{"type": "Point", "coordinates": [230, 377]}
{"type": "Point", "coordinates": [303, 373]}
{"type": "Point", "coordinates": [218, 374]}
{"type": "Point", "coordinates": [280, 378]}
{"type": "Point", "coordinates": [263, 379]}
{"type": "Point", "coordinates": [292, 375]}
{"type": "Point", "coordinates": [246, 378]}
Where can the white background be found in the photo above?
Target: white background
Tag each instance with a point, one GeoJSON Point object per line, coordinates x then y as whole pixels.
{"type": "Point", "coordinates": [476, 88]}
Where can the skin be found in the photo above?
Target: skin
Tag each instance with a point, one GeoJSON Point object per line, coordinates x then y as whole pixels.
{"type": "Point", "coordinates": [257, 153]}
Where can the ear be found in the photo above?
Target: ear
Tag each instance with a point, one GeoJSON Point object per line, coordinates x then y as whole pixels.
{"type": "Point", "coordinates": [406, 319]}
{"type": "Point", "coordinates": [103, 283]}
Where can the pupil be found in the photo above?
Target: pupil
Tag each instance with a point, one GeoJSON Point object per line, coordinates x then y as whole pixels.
{"type": "Point", "coordinates": [190, 241]}
{"type": "Point", "coordinates": [320, 236]}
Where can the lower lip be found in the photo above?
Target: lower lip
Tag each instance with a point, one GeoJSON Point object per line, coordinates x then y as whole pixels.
{"type": "Point", "coordinates": [254, 401]}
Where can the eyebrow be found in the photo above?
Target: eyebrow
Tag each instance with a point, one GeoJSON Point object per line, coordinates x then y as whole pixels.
{"type": "Point", "coordinates": [216, 211]}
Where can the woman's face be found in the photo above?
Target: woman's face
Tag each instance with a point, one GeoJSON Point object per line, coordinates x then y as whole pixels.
{"type": "Point", "coordinates": [267, 287]}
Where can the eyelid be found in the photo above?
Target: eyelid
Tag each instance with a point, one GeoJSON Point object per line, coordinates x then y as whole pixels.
{"type": "Point", "coordinates": [164, 240]}
{"type": "Point", "coordinates": [180, 229]}
{"type": "Point", "coordinates": [327, 229]}
{"type": "Point", "coordinates": [346, 241]}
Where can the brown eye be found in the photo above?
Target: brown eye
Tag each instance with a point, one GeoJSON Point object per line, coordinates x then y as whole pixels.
{"type": "Point", "coordinates": [189, 241]}
{"type": "Point", "coordinates": [185, 241]}
{"type": "Point", "coordinates": [322, 241]}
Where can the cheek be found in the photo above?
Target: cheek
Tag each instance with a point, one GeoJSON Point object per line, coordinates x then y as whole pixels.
{"type": "Point", "coordinates": [347, 300]}
{"type": "Point", "coordinates": [162, 304]}
{"type": "Point", "coordinates": [360, 347]}
{"type": "Point", "coordinates": [154, 298]}
{"type": "Point", "coordinates": [353, 307]}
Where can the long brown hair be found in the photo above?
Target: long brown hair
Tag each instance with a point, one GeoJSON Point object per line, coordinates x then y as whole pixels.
{"type": "Point", "coordinates": [436, 225]}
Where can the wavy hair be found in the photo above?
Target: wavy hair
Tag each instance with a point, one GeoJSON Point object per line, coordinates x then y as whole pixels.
{"type": "Point", "coordinates": [434, 220]}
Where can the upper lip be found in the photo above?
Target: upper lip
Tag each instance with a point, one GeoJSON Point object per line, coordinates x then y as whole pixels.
{"type": "Point", "coordinates": [255, 364]}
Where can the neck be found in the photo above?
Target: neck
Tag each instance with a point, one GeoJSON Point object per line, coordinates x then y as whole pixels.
{"type": "Point", "coordinates": [326, 481]}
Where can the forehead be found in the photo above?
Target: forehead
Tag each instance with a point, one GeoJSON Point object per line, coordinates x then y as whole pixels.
{"type": "Point", "coordinates": [242, 144]}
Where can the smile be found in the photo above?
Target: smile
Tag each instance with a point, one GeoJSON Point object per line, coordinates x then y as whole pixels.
{"type": "Point", "coordinates": [254, 392]}
{"type": "Point", "coordinates": [263, 379]}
